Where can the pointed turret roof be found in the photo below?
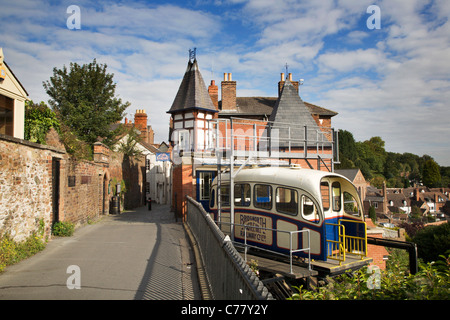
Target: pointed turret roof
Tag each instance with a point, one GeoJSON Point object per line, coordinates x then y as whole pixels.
{"type": "Point", "coordinates": [291, 112]}
{"type": "Point", "coordinates": [192, 93]}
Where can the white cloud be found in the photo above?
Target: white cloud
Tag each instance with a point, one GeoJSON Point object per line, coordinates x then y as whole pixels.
{"type": "Point", "coordinates": [392, 82]}
{"type": "Point", "coordinates": [350, 61]}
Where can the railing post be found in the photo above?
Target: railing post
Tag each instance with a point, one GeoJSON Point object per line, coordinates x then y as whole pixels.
{"type": "Point", "coordinates": [290, 249]}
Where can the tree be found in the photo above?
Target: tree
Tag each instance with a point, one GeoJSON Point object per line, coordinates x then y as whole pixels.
{"type": "Point", "coordinates": [372, 214]}
{"type": "Point", "coordinates": [84, 99]}
{"type": "Point", "coordinates": [347, 150]}
{"type": "Point", "coordinates": [433, 241]}
{"type": "Point", "coordinates": [431, 176]}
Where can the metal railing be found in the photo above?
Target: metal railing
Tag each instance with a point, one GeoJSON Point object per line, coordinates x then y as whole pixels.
{"type": "Point", "coordinates": [267, 139]}
{"type": "Point", "coordinates": [291, 250]}
{"type": "Point", "coordinates": [336, 248]}
{"type": "Point", "coordinates": [227, 275]}
{"type": "Point", "coordinates": [356, 244]}
{"type": "Point", "coordinates": [347, 244]}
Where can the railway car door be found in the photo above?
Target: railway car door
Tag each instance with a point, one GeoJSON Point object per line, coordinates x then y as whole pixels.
{"type": "Point", "coordinates": [331, 202]}
{"type": "Point", "coordinates": [343, 218]}
{"type": "Point", "coordinates": [312, 220]}
{"type": "Point", "coordinates": [204, 181]}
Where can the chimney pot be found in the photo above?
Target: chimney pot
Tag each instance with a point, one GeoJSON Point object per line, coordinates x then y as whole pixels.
{"type": "Point", "coordinates": [282, 77]}
{"type": "Point", "coordinates": [290, 76]}
{"type": "Point", "coordinates": [225, 77]}
{"type": "Point", "coordinates": [229, 77]}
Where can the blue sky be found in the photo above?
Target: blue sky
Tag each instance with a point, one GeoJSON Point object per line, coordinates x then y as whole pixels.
{"type": "Point", "coordinates": [392, 82]}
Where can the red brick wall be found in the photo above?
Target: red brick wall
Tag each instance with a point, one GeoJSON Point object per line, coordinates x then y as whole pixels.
{"type": "Point", "coordinates": [228, 95]}
{"type": "Point", "coordinates": [213, 91]}
{"type": "Point", "coordinates": [377, 253]}
{"type": "Point", "coordinates": [80, 202]}
{"type": "Point", "coordinates": [182, 187]}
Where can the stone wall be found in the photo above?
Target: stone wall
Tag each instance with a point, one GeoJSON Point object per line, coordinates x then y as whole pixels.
{"type": "Point", "coordinates": [25, 186]}
{"type": "Point", "coordinates": [43, 183]}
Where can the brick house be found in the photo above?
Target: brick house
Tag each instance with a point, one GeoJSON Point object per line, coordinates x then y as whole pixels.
{"type": "Point", "coordinates": [196, 107]}
{"type": "Point", "coordinates": [357, 178]}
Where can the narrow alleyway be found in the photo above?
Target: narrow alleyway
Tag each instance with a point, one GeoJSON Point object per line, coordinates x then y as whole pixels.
{"type": "Point", "coordinates": [136, 255]}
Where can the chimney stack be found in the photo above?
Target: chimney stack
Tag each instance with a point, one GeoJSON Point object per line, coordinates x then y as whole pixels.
{"type": "Point", "coordinates": [140, 122]}
{"type": "Point", "coordinates": [281, 83]}
{"type": "Point", "coordinates": [228, 92]}
{"type": "Point", "coordinates": [213, 91]}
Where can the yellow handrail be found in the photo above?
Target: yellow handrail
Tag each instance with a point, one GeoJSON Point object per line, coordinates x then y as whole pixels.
{"type": "Point", "coordinates": [336, 248]}
{"type": "Point", "coordinates": [354, 244]}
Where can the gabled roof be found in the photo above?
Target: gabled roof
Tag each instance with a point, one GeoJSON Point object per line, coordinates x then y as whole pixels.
{"type": "Point", "coordinates": [192, 93]}
{"type": "Point", "coordinates": [291, 111]}
{"type": "Point", "coordinates": [263, 106]}
{"type": "Point", "coordinates": [348, 173]}
{"type": "Point", "coordinates": [16, 88]}
{"type": "Point", "coordinates": [290, 108]}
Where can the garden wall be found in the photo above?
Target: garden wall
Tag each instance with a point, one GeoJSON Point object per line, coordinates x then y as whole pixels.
{"type": "Point", "coordinates": [44, 183]}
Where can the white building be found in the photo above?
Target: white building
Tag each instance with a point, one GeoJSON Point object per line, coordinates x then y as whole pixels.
{"type": "Point", "coordinates": [12, 102]}
{"type": "Point", "coordinates": [158, 170]}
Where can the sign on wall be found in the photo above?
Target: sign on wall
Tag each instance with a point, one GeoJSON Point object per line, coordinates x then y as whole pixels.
{"type": "Point", "coordinates": [162, 156]}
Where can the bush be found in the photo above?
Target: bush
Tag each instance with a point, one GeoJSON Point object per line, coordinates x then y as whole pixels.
{"type": "Point", "coordinates": [433, 241]}
{"type": "Point", "coordinates": [12, 252]}
{"type": "Point", "coordinates": [38, 120]}
{"type": "Point", "coordinates": [63, 229]}
{"type": "Point", "coordinates": [432, 282]}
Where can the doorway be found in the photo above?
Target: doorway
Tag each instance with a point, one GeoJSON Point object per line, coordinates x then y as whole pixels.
{"type": "Point", "coordinates": [204, 181]}
{"type": "Point", "coordinates": [56, 168]}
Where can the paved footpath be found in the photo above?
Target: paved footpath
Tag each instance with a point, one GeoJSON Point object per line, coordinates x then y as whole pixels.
{"type": "Point", "coordinates": [137, 255]}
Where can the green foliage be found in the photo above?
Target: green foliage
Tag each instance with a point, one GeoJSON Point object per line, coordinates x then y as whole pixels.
{"type": "Point", "coordinates": [77, 148]}
{"type": "Point", "coordinates": [12, 252]}
{"type": "Point", "coordinates": [129, 146]}
{"type": "Point", "coordinates": [433, 241]}
{"type": "Point", "coordinates": [398, 170]}
{"type": "Point", "coordinates": [431, 174]}
{"type": "Point", "coordinates": [123, 189]}
{"type": "Point", "coordinates": [63, 229]}
{"type": "Point", "coordinates": [430, 283]}
{"type": "Point", "coordinates": [372, 214]}
{"type": "Point", "coordinates": [84, 99]}
{"type": "Point", "coordinates": [38, 120]}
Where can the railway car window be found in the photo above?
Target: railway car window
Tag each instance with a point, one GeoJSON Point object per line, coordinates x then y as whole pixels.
{"type": "Point", "coordinates": [242, 195]}
{"type": "Point", "coordinates": [336, 193]}
{"type": "Point", "coordinates": [225, 196]}
{"type": "Point", "coordinates": [263, 196]}
{"type": "Point", "coordinates": [350, 204]}
{"type": "Point", "coordinates": [325, 192]}
{"type": "Point", "coordinates": [213, 198]}
{"type": "Point", "coordinates": [309, 210]}
{"type": "Point", "coordinates": [287, 201]}
{"type": "Point", "coordinates": [205, 179]}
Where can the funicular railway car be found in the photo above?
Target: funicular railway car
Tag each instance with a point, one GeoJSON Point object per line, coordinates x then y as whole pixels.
{"type": "Point", "coordinates": [269, 201]}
